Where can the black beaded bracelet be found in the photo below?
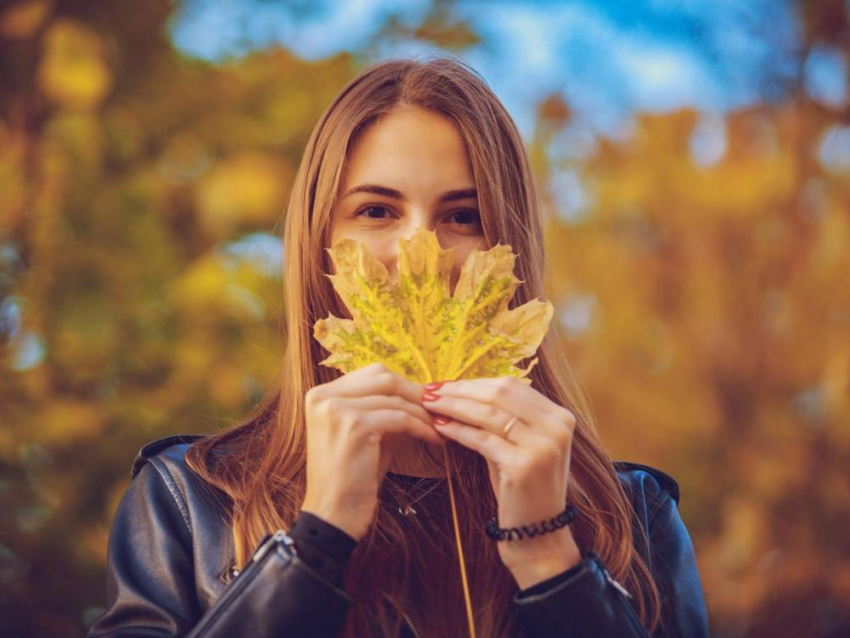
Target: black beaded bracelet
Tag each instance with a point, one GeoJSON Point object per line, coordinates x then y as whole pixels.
{"type": "Point", "coordinates": [507, 533]}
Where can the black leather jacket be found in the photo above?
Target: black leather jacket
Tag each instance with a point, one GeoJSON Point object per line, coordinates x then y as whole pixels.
{"type": "Point", "coordinates": [170, 573]}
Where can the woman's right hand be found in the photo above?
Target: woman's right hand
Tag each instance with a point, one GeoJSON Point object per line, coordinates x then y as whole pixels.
{"type": "Point", "coordinates": [352, 425]}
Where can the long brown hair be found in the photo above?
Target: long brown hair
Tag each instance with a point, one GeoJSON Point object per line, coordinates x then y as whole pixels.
{"type": "Point", "coordinates": [263, 468]}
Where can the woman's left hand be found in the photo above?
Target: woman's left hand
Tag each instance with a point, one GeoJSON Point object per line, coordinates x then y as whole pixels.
{"type": "Point", "coordinates": [529, 469]}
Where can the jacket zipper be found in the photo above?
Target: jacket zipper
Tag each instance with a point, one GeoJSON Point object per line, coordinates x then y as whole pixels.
{"type": "Point", "coordinates": [410, 624]}
{"type": "Point", "coordinates": [617, 585]}
{"type": "Point", "coordinates": [244, 577]}
{"type": "Point", "coordinates": [608, 577]}
{"type": "Point", "coordinates": [281, 536]}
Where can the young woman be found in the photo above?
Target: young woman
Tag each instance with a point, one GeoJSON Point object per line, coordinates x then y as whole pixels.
{"type": "Point", "coordinates": [349, 468]}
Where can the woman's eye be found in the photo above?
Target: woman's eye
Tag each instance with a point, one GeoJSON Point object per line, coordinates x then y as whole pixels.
{"type": "Point", "coordinates": [367, 209]}
{"type": "Point", "coordinates": [466, 217]}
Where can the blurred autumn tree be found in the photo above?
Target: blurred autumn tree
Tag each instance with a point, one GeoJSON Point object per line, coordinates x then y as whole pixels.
{"type": "Point", "coordinates": [139, 191]}
{"type": "Point", "coordinates": [708, 307]}
{"type": "Point", "coordinates": [705, 305]}
{"type": "Point", "coordinates": [720, 351]}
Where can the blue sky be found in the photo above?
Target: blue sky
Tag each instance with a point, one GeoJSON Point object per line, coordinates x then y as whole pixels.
{"type": "Point", "coordinates": [608, 58]}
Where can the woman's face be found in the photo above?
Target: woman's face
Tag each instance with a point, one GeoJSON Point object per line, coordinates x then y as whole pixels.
{"type": "Point", "coordinates": [409, 169]}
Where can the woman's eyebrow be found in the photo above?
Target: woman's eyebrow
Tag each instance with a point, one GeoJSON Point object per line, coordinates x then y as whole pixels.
{"type": "Point", "coordinates": [448, 196]}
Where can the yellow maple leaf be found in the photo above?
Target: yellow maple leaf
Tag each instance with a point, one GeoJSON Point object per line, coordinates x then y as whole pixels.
{"type": "Point", "coordinates": [421, 330]}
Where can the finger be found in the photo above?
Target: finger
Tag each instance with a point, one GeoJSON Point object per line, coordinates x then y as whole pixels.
{"type": "Point", "coordinates": [543, 416]}
{"type": "Point", "coordinates": [486, 417]}
{"type": "Point", "coordinates": [367, 369]}
{"type": "Point", "coordinates": [381, 401]}
{"type": "Point", "coordinates": [387, 420]}
{"type": "Point", "coordinates": [376, 378]}
{"type": "Point", "coordinates": [492, 447]}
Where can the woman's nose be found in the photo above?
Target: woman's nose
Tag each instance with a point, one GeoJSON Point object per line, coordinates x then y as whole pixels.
{"type": "Point", "coordinates": [416, 218]}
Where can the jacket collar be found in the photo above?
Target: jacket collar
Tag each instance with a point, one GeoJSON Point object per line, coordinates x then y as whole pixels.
{"type": "Point", "coordinates": [155, 447]}
{"type": "Point", "coordinates": [666, 481]}
{"type": "Point", "coordinates": [623, 467]}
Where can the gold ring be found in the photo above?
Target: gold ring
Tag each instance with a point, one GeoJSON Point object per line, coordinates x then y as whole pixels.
{"type": "Point", "coordinates": [508, 427]}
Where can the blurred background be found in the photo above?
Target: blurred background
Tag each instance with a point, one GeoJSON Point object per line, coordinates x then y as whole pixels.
{"type": "Point", "coordinates": [694, 161]}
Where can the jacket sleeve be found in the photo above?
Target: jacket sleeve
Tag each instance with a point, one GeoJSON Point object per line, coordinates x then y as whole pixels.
{"type": "Point", "coordinates": [592, 604]}
{"type": "Point", "coordinates": [150, 579]}
{"type": "Point", "coordinates": [323, 546]}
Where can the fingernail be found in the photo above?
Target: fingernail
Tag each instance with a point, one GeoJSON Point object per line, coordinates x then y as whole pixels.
{"type": "Point", "coordinates": [442, 420]}
{"type": "Point", "coordinates": [428, 396]}
{"type": "Point", "coordinates": [434, 386]}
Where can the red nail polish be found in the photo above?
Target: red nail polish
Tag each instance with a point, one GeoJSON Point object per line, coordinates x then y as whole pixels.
{"type": "Point", "coordinates": [434, 386]}
{"type": "Point", "coordinates": [427, 396]}
{"type": "Point", "coordinates": [442, 420]}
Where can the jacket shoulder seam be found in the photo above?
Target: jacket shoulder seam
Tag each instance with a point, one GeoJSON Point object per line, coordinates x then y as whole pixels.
{"type": "Point", "coordinates": [171, 484]}
{"type": "Point", "coordinates": [662, 502]}
{"type": "Point", "coordinates": [666, 482]}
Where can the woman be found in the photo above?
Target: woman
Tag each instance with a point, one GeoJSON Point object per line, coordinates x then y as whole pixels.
{"type": "Point", "coordinates": [353, 465]}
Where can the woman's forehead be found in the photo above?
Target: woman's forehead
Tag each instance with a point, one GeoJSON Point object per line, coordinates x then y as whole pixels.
{"type": "Point", "coordinates": [407, 148]}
